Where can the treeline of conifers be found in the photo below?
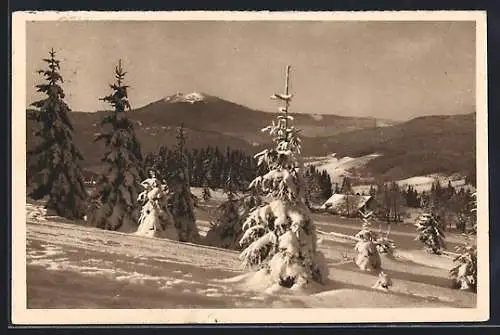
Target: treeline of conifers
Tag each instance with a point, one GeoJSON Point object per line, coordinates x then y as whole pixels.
{"type": "Point", "coordinates": [212, 167]}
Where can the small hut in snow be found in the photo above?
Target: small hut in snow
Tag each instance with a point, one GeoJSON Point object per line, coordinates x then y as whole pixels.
{"type": "Point", "coordinates": [348, 204]}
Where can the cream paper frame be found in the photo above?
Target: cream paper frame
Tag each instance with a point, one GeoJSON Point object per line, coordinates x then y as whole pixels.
{"type": "Point", "coordinates": [22, 315]}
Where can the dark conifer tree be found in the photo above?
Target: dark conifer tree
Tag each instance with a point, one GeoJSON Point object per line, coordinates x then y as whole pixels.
{"type": "Point", "coordinates": [118, 186]}
{"type": "Point", "coordinates": [182, 199]}
{"type": "Point", "coordinates": [326, 185]}
{"type": "Point", "coordinates": [230, 186]}
{"type": "Point", "coordinates": [206, 179]}
{"type": "Point", "coordinates": [438, 194]}
{"type": "Point", "coordinates": [54, 164]}
{"type": "Point", "coordinates": [450, 190]}
{"type": "Point", "coordinates": [346, 189]}
{"type": "Point", "coordinates": [373, 191]}
{"type": "Point", "coordinates": [227, 226]}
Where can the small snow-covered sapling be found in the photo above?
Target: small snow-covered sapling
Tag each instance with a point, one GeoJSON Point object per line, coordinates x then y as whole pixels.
{"type": "Point", "coordinates": [155, 219]}
{"type": "Point", "coordinates": [384, 282]}
{"type": "Point", "coordinates": [368, 257]}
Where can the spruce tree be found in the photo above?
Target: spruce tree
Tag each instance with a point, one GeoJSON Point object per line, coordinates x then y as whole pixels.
{"type": "Point", "coordinates": [206, 194]}
{"type": "Point", "coordinates": [54, 164]}
{"type": "Point", "coordinates": [464, 271]}
{"type": "Point", "coordinates": [396, 199]}
{"type": "Point", "coordinates": [312, 188]}
{"type": "Point", "coordinates": [118, 186]}
{"type": "Point", "coordinates": [346, 190]}
{"type": "Point", "coordinates": [226, 230]}
{"type": "Point", "coordinates": [181, 200]}
{"type": "Point", "coordinates": [230, 186]}
{"type": "Point", "coordinates": [372, 192]}
{"type": "Point", "coordinates": [450, 190]}
{"type": "Point", "coordinates": [156, 219]}
{"type": "Point", "coordinates": [471, 210]}
{"type": "Point", "coordinates": [326, 185]}
{"type": "Point", "coordinates": [280, 237]}
{"type": "Point", "coordinates": [437, 196]}
{"type": "Point", "coordinates": [368, 258]}
{"type": "Point", "coordinates": [430, 233]}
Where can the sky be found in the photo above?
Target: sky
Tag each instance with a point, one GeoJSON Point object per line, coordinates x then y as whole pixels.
{"type": "Point", "coordinates": [389, 70]}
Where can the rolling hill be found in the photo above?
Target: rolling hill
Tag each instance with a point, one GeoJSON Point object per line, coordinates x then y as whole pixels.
{"type": "Point", "coordinates": [423, 145]}
{"type": "Point", "coordinates": [202, 111]}
{"type": "Point", "coordinates": [420, 146]}
{"type": "Point", "coordinates": [208, 120]}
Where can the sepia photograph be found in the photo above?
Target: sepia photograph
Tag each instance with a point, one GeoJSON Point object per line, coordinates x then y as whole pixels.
{"type": "Point", "coordinates": [249, 167]}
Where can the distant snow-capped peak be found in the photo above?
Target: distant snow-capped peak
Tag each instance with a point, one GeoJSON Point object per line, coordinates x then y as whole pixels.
{"type": "Point", "coordinates": [188, 97]}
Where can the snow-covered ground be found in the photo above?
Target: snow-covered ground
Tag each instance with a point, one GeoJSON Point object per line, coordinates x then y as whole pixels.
{"type": "Point", "coordinates": [70, 265]}
{"type": "Point", "coordinates": [216, 196]}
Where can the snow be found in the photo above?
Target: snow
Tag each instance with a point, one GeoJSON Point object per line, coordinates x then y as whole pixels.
{"type": "Point", "coordinates": [339, 167]}
{"type": "Point", "coordinates": [424, 258]}
{"type": "Point", "coordinates": [424, 183]}
{"type": "Point", "coordinates": [155, 219]}
{"type": "Point", "coordinates": [337, 202]}
{"type": "Point", "coordinates": [114, 269]}
{"type": "Point", "coordinates": [188, 97]}
{"type": "Point", "coordinates": [317, 117]}
{"type": "Point", "coordinates": [217, 195]}
{"type": "Point", "coordinates": [384, 123]}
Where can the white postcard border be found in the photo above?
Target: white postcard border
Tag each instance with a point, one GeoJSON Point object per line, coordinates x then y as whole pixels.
{"type": "Point", "coordinates": [22, 315]}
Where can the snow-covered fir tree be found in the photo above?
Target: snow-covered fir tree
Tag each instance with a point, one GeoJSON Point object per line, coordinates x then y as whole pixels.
{"type": "Point", "coordinates": [117, 187]}
{"type": "Point", "coordinates": [464, 272]}
{"type": "Point", "coordinates": [54, 164]}
{"type": "Point", "coordinates": [230, 186]}
{"type": "Point", "coordinates": [181, 200]}
{"type": "Point", "coordinates": [156, 219]}
{"type": "Point", "coordinates": [368, 253]}
{"type": "Point", "coordinates": [384, 245]}
{"type": "Point", "coordinates": [384, 282]}
{"type": "Point", "coordinates": [430, 232]}
{"type": "Point", "coordinates": [280, 236]}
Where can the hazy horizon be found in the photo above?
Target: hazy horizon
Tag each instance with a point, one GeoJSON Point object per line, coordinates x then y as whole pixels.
{"type": "Point", "coordinates": [388, 70]}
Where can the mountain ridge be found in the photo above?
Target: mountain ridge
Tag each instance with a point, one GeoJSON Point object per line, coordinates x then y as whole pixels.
{"type": "Point", "coordinates": [445, 141]}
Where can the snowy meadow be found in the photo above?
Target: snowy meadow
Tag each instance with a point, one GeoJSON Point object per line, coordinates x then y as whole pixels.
{"type": "Point", "coordinates": [70, 265]}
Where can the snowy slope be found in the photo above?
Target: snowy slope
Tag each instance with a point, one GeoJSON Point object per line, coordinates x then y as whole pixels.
{"type": "Point", "coordinates": [73, 266]}
{"type": "Point", "coordinates": [192, 98]}
{"type": "Point", "coordinates": [424, 183]}
{"type": "Point", "coordinates": [339, 167]}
